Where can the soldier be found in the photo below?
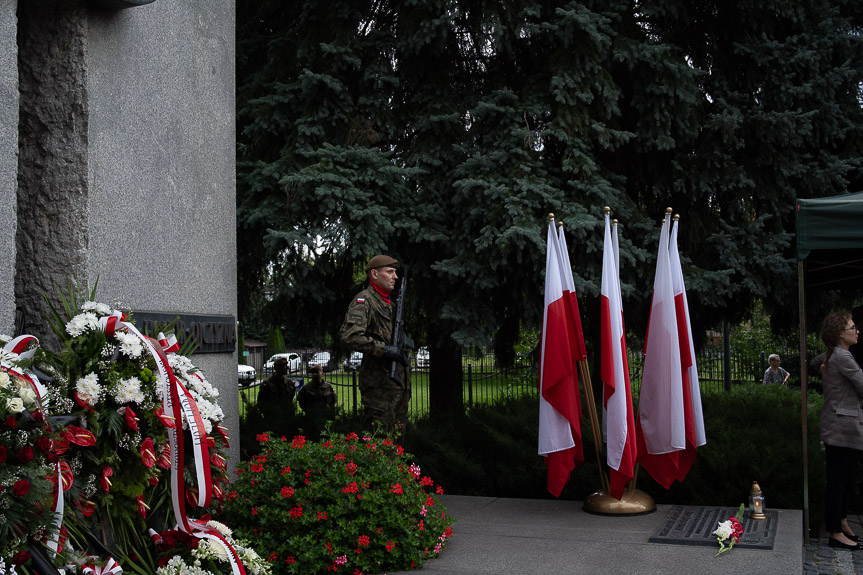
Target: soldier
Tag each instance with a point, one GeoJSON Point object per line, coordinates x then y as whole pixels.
{"type": "Point", "coordinates": [368, 328]}
{"type": "Point", "coordinates": [317, 397]}
{"type": "Point", "coordinates": [276, 397]}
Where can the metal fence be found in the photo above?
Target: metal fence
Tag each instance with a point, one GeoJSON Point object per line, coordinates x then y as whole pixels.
{"type": "Point", "coordinates": [483, 382]}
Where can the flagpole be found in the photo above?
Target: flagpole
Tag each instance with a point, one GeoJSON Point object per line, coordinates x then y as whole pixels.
{"type": "Point", "coordinates": [632, 501]}
{"type": "Point", "coordinates": [584, 374]}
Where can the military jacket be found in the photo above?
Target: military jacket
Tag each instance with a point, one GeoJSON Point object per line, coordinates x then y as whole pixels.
{"type": "Point", "coordinates": [368, 328]}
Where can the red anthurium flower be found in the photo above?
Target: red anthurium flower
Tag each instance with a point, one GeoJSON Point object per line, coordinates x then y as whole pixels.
{"type": "Point", "coordinates": [164, 460]}
{"type": "Point", "coordinates": [142, 507]}
{"type": "Point", "coordinates": [210, 441]}
{"type": "Point", "coordinates": [148, 452]}
{"type": "Point", "coordinates": [218, 461]}
{"type": "Point", "coordinates": [166, 420]}
{"type": "Point", "coordinates": [104, 482]}
{"type": "Point", "coordinates": [217, 492]}
{"type": "Point", "coordinates": [86, 508]}
{"type": "Point", "coordinates": [82, 403]}
{"type": "Point", "coordinates": [79, 436]}
{"type": "Point", "coordinates": [222, 431]}
{"type": "Point", "coordinates": [154, 480]}
{"type": "Point", "coordinates": [131, 420]}
{"type": "Point", "coordinates": [192, 496]}
{"type": "Point", "coordinates": [61, 444]}
{"type": "Point", "coordinates": [67, 475]}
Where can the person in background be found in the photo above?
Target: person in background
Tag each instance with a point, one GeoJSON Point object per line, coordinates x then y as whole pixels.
{"type": "Point", "coordinates": [841, 425]}
{"type": "Point", "coordinates": [775, 373]}
{"type": "Point", "coordinates": [317, 398]}
{"type": "Point", "coordinates": [277, 392]}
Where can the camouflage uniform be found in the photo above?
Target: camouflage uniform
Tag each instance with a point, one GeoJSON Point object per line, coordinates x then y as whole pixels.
{"type": "Point", "coordinates": [367, 328]}
{"type": "Point", "coordinates": [318, 399]}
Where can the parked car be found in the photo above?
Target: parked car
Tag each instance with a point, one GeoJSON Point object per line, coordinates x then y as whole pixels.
{"type": "Point", "coordinates": [422, 357]}
{"type": "Point", "coordinates": [295, 362]}
{"type": "Point", "coordinates": [323, 359]}
{"type": "Point", "coordinates": [245, 374]}
{"type": "Point", "coordinates": [353, 362]}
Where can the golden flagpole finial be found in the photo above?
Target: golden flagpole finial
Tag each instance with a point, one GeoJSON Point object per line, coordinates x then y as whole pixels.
{"type": "Point", "coordinates": [560, 225]}
{"type": "Point", "coordinates": [668, 211]}
{"type": "Point", "coordinates": [606, 210]}
{"type": "Point", "coordinates": [676, 217]}
{"type": "Point", "coordinates": [550, 216]}
{"type": "Point", "coordinates": [614, 222]}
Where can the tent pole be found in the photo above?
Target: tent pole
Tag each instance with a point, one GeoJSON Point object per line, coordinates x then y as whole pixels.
{"type": "Point", "coordinates": [801, 305]}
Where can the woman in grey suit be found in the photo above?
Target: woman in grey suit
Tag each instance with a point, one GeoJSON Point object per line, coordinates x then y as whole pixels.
{"type": "Point", "coordinates": [841, 425]}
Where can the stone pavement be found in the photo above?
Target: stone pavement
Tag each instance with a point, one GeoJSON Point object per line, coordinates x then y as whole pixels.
{"type": "Point", "coordinates": [496, 536]}
{"type": "Point", "coordinates": [820, 559]}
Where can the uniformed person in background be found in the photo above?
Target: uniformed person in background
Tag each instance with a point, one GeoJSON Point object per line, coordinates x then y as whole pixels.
{"type": "Point", "coordinates": [368, 328]}
{"type": "Point", "coordinates": [317, 397]}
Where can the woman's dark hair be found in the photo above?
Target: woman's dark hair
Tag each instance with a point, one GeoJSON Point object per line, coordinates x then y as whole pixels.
{"type": "Point", "coordinates": [831, 329]}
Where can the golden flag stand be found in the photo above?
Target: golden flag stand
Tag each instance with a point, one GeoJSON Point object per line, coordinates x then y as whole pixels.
{"type": "Point", "coordinates": [634, 501]}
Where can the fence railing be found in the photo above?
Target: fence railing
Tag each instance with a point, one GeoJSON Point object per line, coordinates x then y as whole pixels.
{"type": "Point", "coordinates": [483, 382]}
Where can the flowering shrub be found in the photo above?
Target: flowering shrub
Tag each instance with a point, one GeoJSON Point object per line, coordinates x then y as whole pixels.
{"type": "Point", "coordinates": [729, 531]}
{"type": "Point", "coordinates": [28, 459]}
{"type": "Point", "coordinates": [345, 503]}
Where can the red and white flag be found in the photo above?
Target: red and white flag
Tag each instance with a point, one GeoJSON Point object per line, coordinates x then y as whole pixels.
{"type": "Point", "coordinates": [576, 337]}
{"type": "Point", "coordinates": [693, 417]}
{"type": "Point", "coordinates": [660, 423]}
{"type": "Point", "coordinates": [559, 420]}
{"type": "Point", "coordinates": [618, 421]}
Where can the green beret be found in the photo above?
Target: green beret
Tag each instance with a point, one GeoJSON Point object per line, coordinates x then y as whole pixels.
{"type": "Point", "coordinates": [381, 261]}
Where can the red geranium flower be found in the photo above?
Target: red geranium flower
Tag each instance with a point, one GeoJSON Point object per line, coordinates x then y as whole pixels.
{"type": "Point", "coordinates": [21, 488]}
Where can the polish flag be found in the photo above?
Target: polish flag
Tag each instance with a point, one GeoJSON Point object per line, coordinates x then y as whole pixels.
{"type": "Point", "coordinates": [693, 417]}
{"type": "Point", "coordinates": [661, 425]}
{"type": "Point", "coordinates": [559, 421]}
{"type": "Point", "coordinates": [618, 422]}
{"type": "Point", "coordinates": [576, 336]}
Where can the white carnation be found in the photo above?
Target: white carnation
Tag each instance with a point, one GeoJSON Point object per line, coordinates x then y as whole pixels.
{"type": "Point", "coordinates": [130, 345]}
{"type": "Point", "coordinates": [81, 323]}
{"type": "Point", "coordinates": [89, 390]}
{"type": "Point", "coordinates": [724, 530]}
{"type": "Point", "coordinates": [221, 528]}
{"type": "Point", "coordinates": [99, 308]}
{"type": "Point", "coordinates": [129, 391]}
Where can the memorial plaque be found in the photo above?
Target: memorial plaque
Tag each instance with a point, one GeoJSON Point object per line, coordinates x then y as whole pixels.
{"type": "Point", "coordinates": [693, 525]}
{"type": "Point", "coordinates": [212, 333]}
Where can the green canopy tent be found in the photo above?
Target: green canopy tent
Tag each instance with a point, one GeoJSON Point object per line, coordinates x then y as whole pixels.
{"type": "Point", "coordinates": [829, 256]}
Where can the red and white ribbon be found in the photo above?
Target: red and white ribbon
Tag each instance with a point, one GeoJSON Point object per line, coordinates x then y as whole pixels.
{"type": "Point", "coordinates": [110, 568]}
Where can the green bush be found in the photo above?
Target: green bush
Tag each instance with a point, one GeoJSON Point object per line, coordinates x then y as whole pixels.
{"type": "Point", "coordinates": [358, 504]}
